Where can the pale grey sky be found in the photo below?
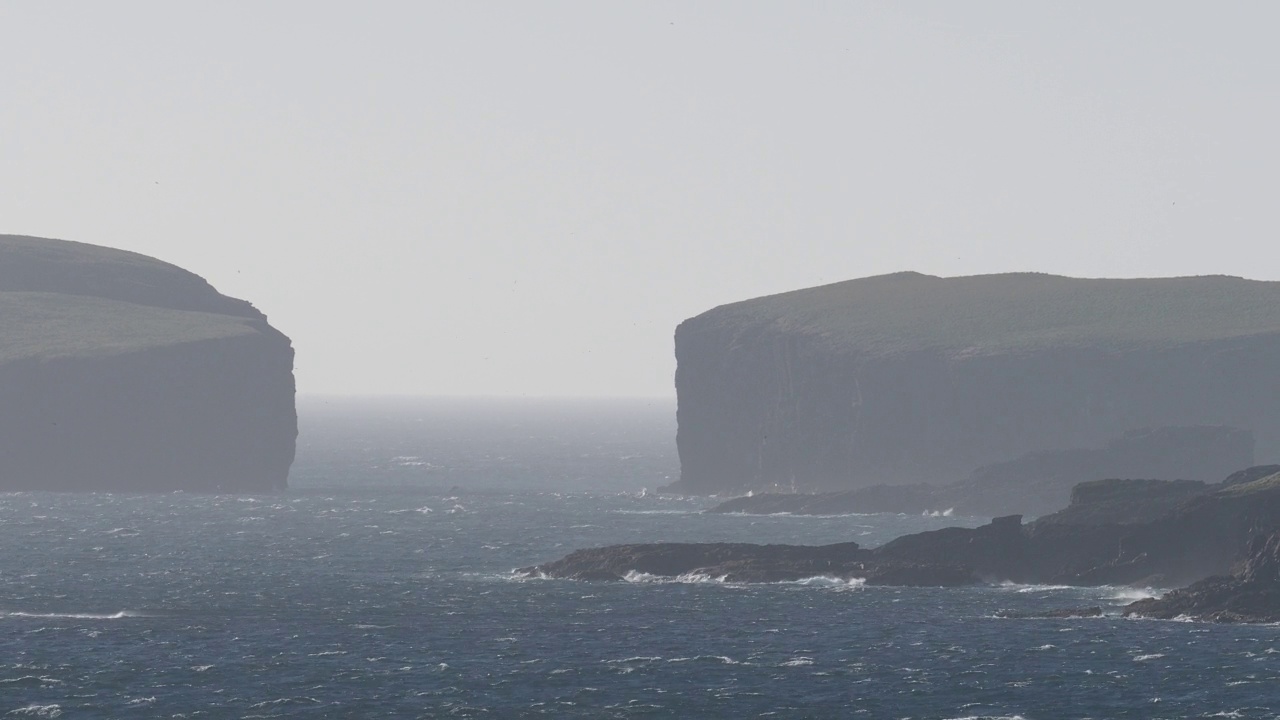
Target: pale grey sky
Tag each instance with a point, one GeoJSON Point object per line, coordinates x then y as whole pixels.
{"type": "Point", "coordinates": [525, 198]}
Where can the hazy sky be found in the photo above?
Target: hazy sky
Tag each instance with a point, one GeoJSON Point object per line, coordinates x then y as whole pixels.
{"type": "Point", "coordinates": [525, 198]}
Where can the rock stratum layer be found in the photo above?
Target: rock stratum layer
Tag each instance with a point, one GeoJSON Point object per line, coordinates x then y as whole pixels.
{"type": "Point", "coordinates": [909, 378]}
{"type": "Point", "coordinates": [119, 372]}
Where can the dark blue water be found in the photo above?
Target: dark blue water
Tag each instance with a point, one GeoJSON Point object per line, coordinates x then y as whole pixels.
{"type": "Point", "coordinates": [381, 587]}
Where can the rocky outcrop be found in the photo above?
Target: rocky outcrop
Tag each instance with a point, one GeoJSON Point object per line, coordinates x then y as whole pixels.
{"type": "Point", "coordinates": [744, 562]}
{"type": "Point", "coordinates": [1251, 594]}
{"type": "Point", "coordinates": [1125, 502]}
{"type": "Point", "coordinates": [119, 372]}
{"type": "Point", "coordinates": [1202, 535]}
{"type": "Point", "coordinates": [1248, 475]}
{"type": "Point", "coordinates": [907, 378]}
{"type": "Point", "coordinates": [1040, 483]}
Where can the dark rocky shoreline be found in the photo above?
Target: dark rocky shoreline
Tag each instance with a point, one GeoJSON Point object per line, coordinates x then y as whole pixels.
{"type": "Point", "coordinates": [1250, 594]}
{"type": "Point", "coordinates": [1101, 539]}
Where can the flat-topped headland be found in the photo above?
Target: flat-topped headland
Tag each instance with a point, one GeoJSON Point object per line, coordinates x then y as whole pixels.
{"type": "Point", "coordinates": [909, 379]}
{"type": "Point", "coordinates": [119, 372]}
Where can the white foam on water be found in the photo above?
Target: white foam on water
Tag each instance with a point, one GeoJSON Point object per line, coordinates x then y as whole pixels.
{"type": "Point", "coordinates": [1130, 594]}
{"type": "Point", "coordinates": [718, 658]}
{"type": "Point", "coordinates": [634, 576]}
{"type": "Point", "coordinates": [76, 616]}
{"type": "Point", "coordinates": [43, 711]}
{"type": "Point", "coordinates": [656, 512]}
{"type": "Point", "coordinates": [1151, 656]}
{"type": "Point", "coordinates": [1025, 588]}
{"type": "Point", "coordinates": [696, 578]}
{"type": "Point", "coordinates": [827, 581]}
{"type": "Point", "coordinates": [25, 679]}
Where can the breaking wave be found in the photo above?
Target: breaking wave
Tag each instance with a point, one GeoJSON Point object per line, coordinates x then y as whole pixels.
{"type": "Point", "coordinates": [816, 581]}
{"type": "Point", "coordinates": [76, 616]}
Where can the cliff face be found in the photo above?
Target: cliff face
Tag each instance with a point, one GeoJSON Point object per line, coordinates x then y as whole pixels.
{"type": "Point", "coordinates": [119, 372]}
{"type": "Point", "coordinates": [910, 378]}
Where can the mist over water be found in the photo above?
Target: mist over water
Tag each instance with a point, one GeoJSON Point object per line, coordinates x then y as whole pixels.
{"type": "Point", "coordinates": [377, 586]}
{"type": "Point", "coordinates": [601, 445]}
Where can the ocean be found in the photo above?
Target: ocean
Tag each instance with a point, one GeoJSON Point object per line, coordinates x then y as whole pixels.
{"type": "Point", "coordinates": [381, 585]}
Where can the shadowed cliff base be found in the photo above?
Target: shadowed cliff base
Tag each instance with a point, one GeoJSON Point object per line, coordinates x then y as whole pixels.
{"type": "Point", "coordinates": [1249, 594]}
{"type": "Point", "coordinates": [1042, 482]}
{"type": "Point", "coordinates": [119, 372]}
{"type": "Point", "coordinates": [911, 379]}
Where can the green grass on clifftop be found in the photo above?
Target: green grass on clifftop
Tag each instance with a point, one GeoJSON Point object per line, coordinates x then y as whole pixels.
{"type": "Point", "coordinates": [988, 314]}
{"type": "Point", "coordinates": [53, 325]}
{"type": "Point", "coordinates": [1270, 482]}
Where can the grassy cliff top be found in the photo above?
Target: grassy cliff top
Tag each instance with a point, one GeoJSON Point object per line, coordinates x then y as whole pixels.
{"type": "Point", "coordinates": [987, 314]}
{"type": "Point", "coordinates": [53, 325]}
{"type": "Point", "coordinates": [69, 299]}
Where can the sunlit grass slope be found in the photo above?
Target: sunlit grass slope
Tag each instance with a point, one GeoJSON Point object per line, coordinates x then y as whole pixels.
{"type": "Point", "coordinates": [51, 325]}
{"type": "Point", "coordinates": [69, 299]}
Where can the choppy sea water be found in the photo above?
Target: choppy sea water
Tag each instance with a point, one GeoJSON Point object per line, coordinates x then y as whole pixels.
{"type": "Point", "coordinates": [378, 587]}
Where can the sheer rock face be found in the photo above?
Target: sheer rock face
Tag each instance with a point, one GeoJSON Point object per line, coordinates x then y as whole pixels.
{"type": "Point", "coordinates": [909, 378]}
{"type": "Point", "coordinates": [119, 372]}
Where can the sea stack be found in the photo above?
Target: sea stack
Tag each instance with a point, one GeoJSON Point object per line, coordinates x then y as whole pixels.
{"type": "Point", "coordinates": [119, 372]}
{"type": "Point", "coordinates": [910, 378]}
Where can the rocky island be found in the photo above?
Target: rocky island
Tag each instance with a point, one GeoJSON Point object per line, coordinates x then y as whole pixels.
{"type": "Point", "coordinates": [119, 372]}
{"type": "Point", "coordinates": [909, 379]}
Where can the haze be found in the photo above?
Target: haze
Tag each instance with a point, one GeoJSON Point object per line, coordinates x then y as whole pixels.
{"type": "Point", "coordinates": [526, 198]}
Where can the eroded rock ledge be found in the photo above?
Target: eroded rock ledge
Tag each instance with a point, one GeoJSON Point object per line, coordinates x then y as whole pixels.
{"type": "Point", "coordinates": [1093, 542]}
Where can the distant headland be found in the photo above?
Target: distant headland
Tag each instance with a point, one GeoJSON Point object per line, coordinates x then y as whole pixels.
{"type": "Point", "coordinates": [908, 379]}
{"type": "Point", "coordinates": [119, 372]}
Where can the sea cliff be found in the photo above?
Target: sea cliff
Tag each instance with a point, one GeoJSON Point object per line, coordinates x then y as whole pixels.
{"type": "Point", "coordinates": [909, 378]}
{"type": "Point", "coordinates": [119, 372]}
